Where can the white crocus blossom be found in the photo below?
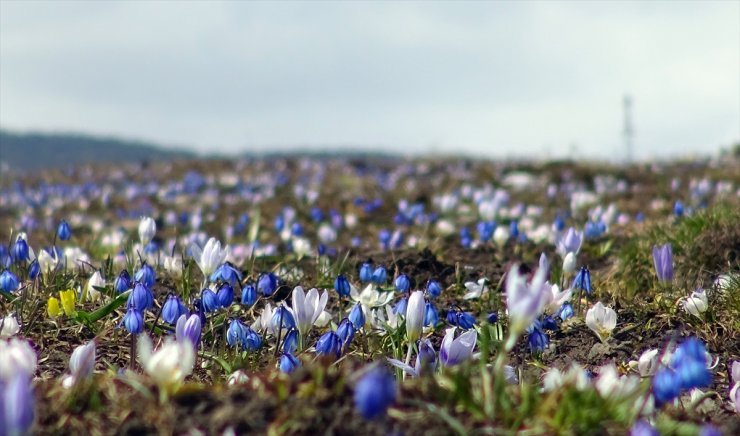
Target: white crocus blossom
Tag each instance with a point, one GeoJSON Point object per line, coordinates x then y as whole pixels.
{"type": "Point", "coordinates": [369, 298]}
{"type": "Point", "coordinates": [238, 377]}
{"type": "Point", "coordinates": [307, 308]}
{"type": "Point", "coordinates": [81, 364]}
{"type": "Point", "coordinates": [95, 281]}
{"type": "Point", "coordinates": [558, 298]}
{"type": "Point", "coordinates": [16, 356]}
{"type": "Point", "coordinates": [453, 350]}
{"type": "Point", "coordinates": [210, 257]}
{"type": "Point", "coordinates": [569, 263]}
{"type": "Point", "coordinates": [601, 320]}
{"type": "Point", "coordinates": [570, 242]}
{"type": "Point", "coordinates": [382, 322]}
{"type": "Point", "coordinates": [524, 302]}
{"type": "Point", "coordinates": [415, 316]}
{"type": "Point", "coordinates": [173, 265]}
{"type": "Point", "coordinates": [263, 323]}
{"type": "Point", "coordinates": [696, 303]}
{"type": "Point", "coordinates": [475, 290]}
{"type": "Point", "coordinates": [47, 262]}
{"type": "Point", "coordinates": [610, 384]}
{"type": "Point", "coordinates": [9, 326]}
{"type": "Point", "coordinates": [301, 246]}
{"type": "Point", "coordinates": [169, 365]}
{"type": "Point", "coordinates": [501, 235]}
{"type": "Point", "coordinates": [647, 364]}
{"type": "Point", "coordinates": [147, 229]}
{"type": "Point", "coordinates": [575, 376]}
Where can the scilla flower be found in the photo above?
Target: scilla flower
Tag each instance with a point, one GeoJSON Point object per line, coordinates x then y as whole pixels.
{"type": "Point", "coordinates": [375, 392]}
{"type": "Point", "coordinates": [267, 284]}
{"type": "Point", "coordinates": [146, 275]}
{"type": "Point", "coordinates": [173, 309]}
{"type": "Point", "coordinates": [122, 282]}
{"type": "Point", "coordinates": [402, 283]}
{"type": "Point", "coordinates": [601, 320]}
{"type": "Point", "coordinates": [366, 273]}
{"type": "Point", "coordinates": [434, 288]}
{"type": "Point", "coordinates": [133, 321]}
{"type": "Point", "coordinates": [288, 363]}
{"type": "Point", "coordinates": [329, 345]}
{"type": "Point", "coordinates": [249, 295]}
{"type": "Point", "coordinates": [341, 285]}
{"type": "Point", "coordinates": [357, 316]}
{"type": "Point", "coordinates": [379, 276]}
{"type": "Point", "coordinates": [63, 231]}
{"type": "Point", "coordinates": [8, 281]}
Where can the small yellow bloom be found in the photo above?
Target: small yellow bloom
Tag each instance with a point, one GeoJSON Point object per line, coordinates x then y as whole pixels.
{"type": "Point", "coordinates": [52, 307]}
{"type": "Point", "coordinates": [68, 301]}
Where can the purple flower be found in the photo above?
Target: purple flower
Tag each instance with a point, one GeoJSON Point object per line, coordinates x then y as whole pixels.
{"type": "Point", "coordinates": [663, 260]}
{"type": "Point", "coordinates": [188, 328]}
{"type": "Point", "coordinates": [18, 404]}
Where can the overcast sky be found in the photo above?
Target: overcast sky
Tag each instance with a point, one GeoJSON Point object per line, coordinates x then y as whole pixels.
{"type": "Point", "coordinates": [494, 78]}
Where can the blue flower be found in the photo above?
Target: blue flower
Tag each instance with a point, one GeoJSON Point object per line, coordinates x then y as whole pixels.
{"type": "Point", "coordinates": [537, 339]}
{"type": "Point", "coordinates": [63, 231]}
{"type": "Point", "coordinates": [566, 311]}
{"type": "Point", "coordinates": [548, 323]}
{"type": "Point", "coordinates": [133, 321]}
{"type": "Point", "coordinates": [341, 285]}
{"type": "Point", "coordinates": [346, 332]}
{"type": "Point", "coordinates": [678, 208]}
{"type": "Point", "coordinates": [20, 250]}
{"type": "Point", "coordinates": [366, 273]}
{"type": "Point", "coordinates": [464, 320]}
{"type": "Point", "coordinates": [288, 363]}
{"type": "Point", "coordinates": [296, 229]}
{"type": "Point", "coordinates": [485, 230]}
{"type": "Point", "coordinates": [122, 282]}
{"type": "Point", "coordinates": [282, 318]}
{"type": "Point", "coordinates": [249, 295]}
{"type": "Point", "coordinates": [172, 310]}
{"type": "Point", "coordinates": [329, 345]}
{"type": "Point", "coordinates": [431, 316]}
{"type": "Point", "coordinates": [492, 318]}
{"type": "Point", "coordinates": [434, 289]}
{"type": "Point", "coordinates": [357, 316]}
{"type": "Point", "coordinates": [235, 333]}
{"type": "Point", "coordinates": [34, 269]}
{"type": "Point", "coordinates": [290, 343]}
{"type": "Point", "coordinates": [316, 214]}
{"type": "Point", "coordinates": [402, 283]}
{"type": "Point", "coordinates": [267, 284]}
{"type": "Point", "coordinates": [514, 229]}
{"type": "Point", "coordinates": [379, 276]}
{"type": "Point", "coordinates": [210, 301]}
{"type": "Point", "coordinates": [140, 298]}
{"type": "Point", "coordinates": [251, 340]}
{"type": "Point", "coordinates": [666, 386]}
{"type": "Point", "coordinates": [690, 364]}
{"type": "Point", "coordinates": [643, 428]}
{"type": "Point", "coordinates": [583, 280]}
{"type": "Point", "coordinates": [225, 295]}
{"type": "Point", "coordinates": [375, 392]}
{"type": "Point", "coordinates": [228, 274]}
{"type": "Point", "coordinates": [400, 307]}
{"type": "Point", "coordinates": [384, 237]}
{"type": "Point", "coordinates": [146, 275]}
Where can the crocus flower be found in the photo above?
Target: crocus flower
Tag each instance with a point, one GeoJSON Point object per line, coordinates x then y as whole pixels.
{"type": "Point", "coordinates": [647, 364]}
{"type": "Point", "coordinates": [601, 320]}
{"type": "Point", "coordinates": [147, 229]}
{"type": "Point", "coordinates": [696, 303]}
{"type": "Point", "coordinates": [47, 261]}
{"type": "Point", "coordinates": [188, 328]}
{"type": "Point", "coordinates": [9, 326]}
{"type": "Point", "coordinates": [210, 256]}
{"type": "Point", "coordinates": [63, 231]}
{"type": "Point", "coordinates": [169, 365]}
{"type": "Point", "coordinates": [307, 307]}
{"type": "Point", "coordinates": [17, 398]}
{"type": "Point", "coordinates": [570, 242]}
{"type": "Point", "coordinates": [91, 291]}
{"type": "Point", "coordinates": [663, 261]}
{"type": "Point", "coordinates": [525, 302]}
{"type": "Point", "coordinates": [475, 290]}
{"type": "Point", "coordinates": [569, 263]}
{"type": "Point", "coordinates": [415, 316]}
{"type": "Point", "coordinates": [375, 392]}
{"type": "Point", "coordinates": [643, 428]}
{"type": "Point", "coordinates": [16, 356]}
{"type": "Point", "coordinates": [81, 364]}
{"type": "Point", "coordinates": [454, 351]}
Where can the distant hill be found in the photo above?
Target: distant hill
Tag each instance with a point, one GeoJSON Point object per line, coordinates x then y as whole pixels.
{"type": "Point", "coordinates": [29, 151]}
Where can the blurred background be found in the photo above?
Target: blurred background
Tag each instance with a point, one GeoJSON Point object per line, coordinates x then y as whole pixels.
{"type": "Point", "coordinates": [585, 80]}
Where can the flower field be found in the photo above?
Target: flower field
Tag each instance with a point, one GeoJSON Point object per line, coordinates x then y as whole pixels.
{"type": "Point", "coordinates": [375, 296]}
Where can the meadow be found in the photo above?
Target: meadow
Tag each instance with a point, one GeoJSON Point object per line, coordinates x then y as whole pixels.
{"type": "Point", "coordinates": [371, 296]}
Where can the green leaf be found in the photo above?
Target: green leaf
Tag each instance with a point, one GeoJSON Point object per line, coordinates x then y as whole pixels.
{"type": "Point", "coordinates": [107, 309]}
{"type": "Point", "coordinates": [8, 296]}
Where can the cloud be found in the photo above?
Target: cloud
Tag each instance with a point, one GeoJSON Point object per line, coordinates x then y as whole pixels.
{"type": "Point", "coordinates": [481, 77]}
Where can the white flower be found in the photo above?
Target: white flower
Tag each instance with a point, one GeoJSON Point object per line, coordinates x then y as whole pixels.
{"type": "Point", "coordinates": [238, 377]}
{"type": "Point", "coordinates": [81, 364]}
{"type": "Point", "coordinates": [383, 322]}
{"type": "Point", "coordinates": [570, 242]}
{"type": "Point", "coordinates": [326, 233]}
{"type": "Point", "coordinates": [557, 298]}
{"type": "Point", "coordinates": [323, 320]}
{"type": "Point", "coordinates": [415, 310]}
{"type": "Point", "coordinates": [610, 384]}
{"type": "Point", "coordinates": [147, 229]}
{"type": "Point", "coordinates": [696, 303]}
{"type": "Point", "coordinates": [735, 371]}
{"type": "Point", "coordinates": [173, 265]}
{"type": "Point", "coordinates": [647, 364]}
{"type": "Point", "coordinates": [370, 298]}
{"type": "Point", "coordinates": [16, 356]}
{"type": "Point", "coordinates": [9, 326]}
{"type": "Point", "coordinates": [475, 290]}
{"type": "Point", "coordinates": [575, 376]}
{"type": "Point", "coordinates": [169, 365]}
{"type": "Point", "coordinates": [524, 302]}
{"type": "Point", "coordinates": [47, 263]}
{"type": "Point", "coordinates": [569, 263]}
{"type": "Point", "coordinates": [263, 323]}
{"type": "Point", "coordinates": [307, 308]}
{"type": "Point", "coordinates": [601, 320]}
{"type": "Point", "coordinates": [210, 257]}
{"type": "Point", "coordinates": [457, 350]}
{"type": "Point", "coordinates": [95, 281]}
{"type": "Point", "coordinates": [501, 235]}
{"type": "Point", "coordinates": [301, 246]}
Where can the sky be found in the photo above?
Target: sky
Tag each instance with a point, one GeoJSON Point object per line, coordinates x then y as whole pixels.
{"type": "Point", "coordinates": [496, 79]}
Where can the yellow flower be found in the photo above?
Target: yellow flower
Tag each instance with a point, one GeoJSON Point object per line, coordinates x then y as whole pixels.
{"type": "Point", "coordinates": [52, 307]}
{"type": "Point", "coordinates": [68, 301]}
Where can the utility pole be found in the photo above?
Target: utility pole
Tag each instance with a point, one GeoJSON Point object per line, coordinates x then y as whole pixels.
{"type": "Point", "coordinates": [628, 131]}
